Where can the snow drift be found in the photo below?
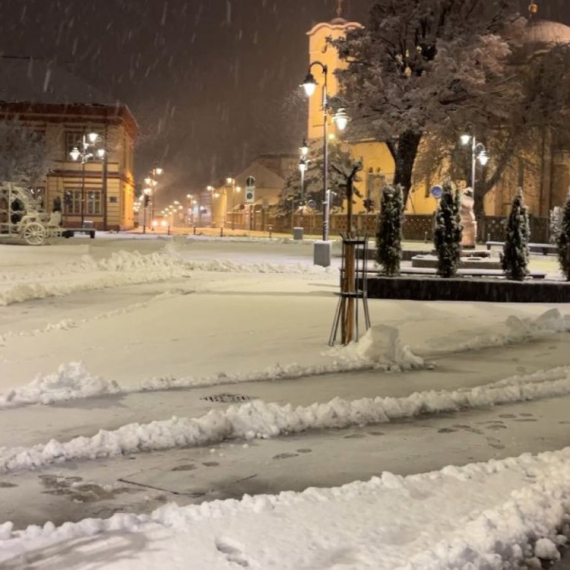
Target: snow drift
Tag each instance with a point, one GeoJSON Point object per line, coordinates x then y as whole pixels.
{"type": "Point", "coordinates": [71, 382]}
{"type": "Point", "coordinates": [259, 419]}
{"type": "Point", "coordinates": [495, 515]}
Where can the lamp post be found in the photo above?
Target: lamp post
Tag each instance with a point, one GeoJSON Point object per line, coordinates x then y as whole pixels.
{"type": "Point", "coordinates": [478, 153]}
{"type": "Point", "coordinates": [303, 166]}
{"type": "Point", "coordinates": [231, 182]}
{"type": "Point", "coordinates": [89, 148]}
{"type": "Point", "coordinates": [341, 120]}
{"type": "Point", "coordinates": [152, 182]}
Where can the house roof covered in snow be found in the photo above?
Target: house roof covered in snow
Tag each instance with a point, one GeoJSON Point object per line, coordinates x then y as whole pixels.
{"type": "Point", "coordinates": [28, 80]}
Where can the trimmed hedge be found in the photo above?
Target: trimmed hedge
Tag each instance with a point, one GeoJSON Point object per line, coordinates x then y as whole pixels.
{"type": "Point", "coordinates": [424, 288]}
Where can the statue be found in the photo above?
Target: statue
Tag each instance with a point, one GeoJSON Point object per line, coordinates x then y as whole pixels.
{"type": "Point", "coordinates": [468, 219]}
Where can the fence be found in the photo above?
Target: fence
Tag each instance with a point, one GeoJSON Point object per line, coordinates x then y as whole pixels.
{"type": "Point", "coordinates": [415, 227]}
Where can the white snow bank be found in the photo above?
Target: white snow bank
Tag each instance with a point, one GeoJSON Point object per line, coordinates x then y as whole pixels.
{"type": "Point", "coordinates": [514, 331]}
{"type": "Point", "coordinates": [381, 347]}
{"type": "Point", "coordinates": [71, 382]}
{"type": "Point", "coordinates": [125, 268]}
{"type": "Point", "coordinates": [277, 372]}
{"type": "Point", "coordinates": [495, 515]}
{"type": "Point", "coordinates": [265, 420]}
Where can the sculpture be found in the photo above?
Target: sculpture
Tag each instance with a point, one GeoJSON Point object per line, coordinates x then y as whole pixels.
{"type": "Point", "coordinates": [468, 219]}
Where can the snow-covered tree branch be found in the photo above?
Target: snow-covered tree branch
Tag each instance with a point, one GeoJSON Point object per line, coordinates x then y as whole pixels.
{"type": "Point", "coordinates": [24, 156]}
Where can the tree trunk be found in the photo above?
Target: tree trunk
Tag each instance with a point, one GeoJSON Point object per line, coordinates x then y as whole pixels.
{"type": "Point", "coordinates": [405, 157]}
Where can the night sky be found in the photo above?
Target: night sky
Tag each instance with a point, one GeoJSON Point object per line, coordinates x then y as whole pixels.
{"type": "Point", "coordinates": [212, 83]}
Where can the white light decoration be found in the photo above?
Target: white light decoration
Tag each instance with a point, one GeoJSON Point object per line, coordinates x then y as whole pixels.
{"type": "Point", "coordinates": [93, 137]}
{"type": "Point", "coordinates": [75, 154]}
{"type": "Point", "coordinates": [101, 152]}
{"type": "Point", "coordinates": [465, 139]}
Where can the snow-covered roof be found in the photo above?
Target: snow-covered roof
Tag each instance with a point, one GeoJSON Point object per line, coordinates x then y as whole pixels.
{"type": "Point", "coordinates": [27, 80]}
{"type": "Point", "coordinates": [546, 32]}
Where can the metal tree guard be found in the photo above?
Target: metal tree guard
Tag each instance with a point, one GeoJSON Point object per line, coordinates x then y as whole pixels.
{"type": "Point", "coordinates": [353, 291]}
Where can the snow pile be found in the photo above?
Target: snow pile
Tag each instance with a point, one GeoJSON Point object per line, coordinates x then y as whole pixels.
{"type": "Point", "coordinates": [259, 419]}
{"type": "Point", "coordinates": [127, 268]}
{"type": "Point", "coordinates": [381, 347]}
{"type": "Point", "coordinates": [518, 330]}
{"type": "Point", "coordinates": [495, 515]}
{"type": "Point", "coordinates": [72, 381]}
{"type": "Point", "coordinates": [277, 372]}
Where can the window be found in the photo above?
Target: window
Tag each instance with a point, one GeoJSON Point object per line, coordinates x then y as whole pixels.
{"type": "Point", "coordinates": [72, 201]}
{"type": "Point", "coordinates": [72, 140]}
{"type": "Point", "coordinates": [93, 203]}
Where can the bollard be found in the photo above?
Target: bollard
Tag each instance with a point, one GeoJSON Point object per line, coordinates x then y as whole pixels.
{"type": "Point", "coordinates": [194, 230]}
{"type": "Point", "coordinates": [270, 231]}
{"type": "Point", "coordinates": [222, 231]}
{"type": "Point", "coordinates": [425, 237]}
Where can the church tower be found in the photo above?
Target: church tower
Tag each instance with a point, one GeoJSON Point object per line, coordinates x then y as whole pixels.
{"type": "Point", "coordinates": [319, 50]}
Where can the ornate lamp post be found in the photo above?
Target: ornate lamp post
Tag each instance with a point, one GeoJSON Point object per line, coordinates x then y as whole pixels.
{"type": "Point", "coordinates": [89, 148]}
{"type": "Point", "coordinates": [341, 119]}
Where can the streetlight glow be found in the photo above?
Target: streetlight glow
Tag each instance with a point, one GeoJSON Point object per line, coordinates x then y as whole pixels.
{"type": "Point", "coordinates": [101, 152]}
{"type": "Point", "coordinates": [75, 154]}
{"type": "Point", "coordinates": [310, 84]}
{"type": "Point", "coordinates": [304, 148]}
{"type": "Point", "coordinates": [341, 119]}
{"type": "Point", "coordinates": [465, 139]}
{"type": "Point", "coordinates": [483, 157]}
{"type": "Point", "coordinates": [93, 137]}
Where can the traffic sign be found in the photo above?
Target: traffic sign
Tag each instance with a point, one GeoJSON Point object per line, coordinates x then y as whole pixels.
{"type": "Point", "coordinates": [436, 192]}
{"type": "Point", "coordinates": [250, 190]}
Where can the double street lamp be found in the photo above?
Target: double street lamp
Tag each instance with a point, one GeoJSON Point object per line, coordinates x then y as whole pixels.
{"type": "Point", "coordinates": [340, 118]}
{"type": "Point", "coordinates": [91, 147]}
{"type": "Point", "coordinates": [478, 154]}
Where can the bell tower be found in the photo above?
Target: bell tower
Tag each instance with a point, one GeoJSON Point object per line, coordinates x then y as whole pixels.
{"type": "Point", "coordinates": [320, 50]}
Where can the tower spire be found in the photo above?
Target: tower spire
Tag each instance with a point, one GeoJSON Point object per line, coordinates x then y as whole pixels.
{"type": "Point", "coordinates": [339, 9]}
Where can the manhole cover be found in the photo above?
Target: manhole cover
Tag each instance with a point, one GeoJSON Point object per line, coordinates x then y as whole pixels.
{"type": "Point", "coordinates": [227, 398]}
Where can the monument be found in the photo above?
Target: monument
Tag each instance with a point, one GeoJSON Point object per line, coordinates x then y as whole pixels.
{"type": "Point", "coordinates": [468, 219]}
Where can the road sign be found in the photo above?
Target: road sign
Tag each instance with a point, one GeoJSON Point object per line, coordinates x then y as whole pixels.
{"type": "Point", "coordinates": [250, 190]}
{"type": "Point", "coordinates": [436, 192]}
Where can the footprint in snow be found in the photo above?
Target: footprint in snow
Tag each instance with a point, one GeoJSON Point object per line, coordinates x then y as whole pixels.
{"type": "Point", "coordinates": [446, 430]}
{"type": "Point", "coordinates": [232, 550]}
{"type": "Point", "coordinates": [185, 468]}
{"type": "Point", "coordinates": [285, 455]}
{"type": "Point", "coordinates": [354, 436]}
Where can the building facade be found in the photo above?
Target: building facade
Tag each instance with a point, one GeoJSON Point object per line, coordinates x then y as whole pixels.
{"type": "Point", "coordinates": [545, 176]}
{"type": "Point", "coordinates": [62, 108]}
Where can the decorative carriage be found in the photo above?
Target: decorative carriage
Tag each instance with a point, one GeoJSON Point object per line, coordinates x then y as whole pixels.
{"type": "Point", "coordinates": [22, 217]}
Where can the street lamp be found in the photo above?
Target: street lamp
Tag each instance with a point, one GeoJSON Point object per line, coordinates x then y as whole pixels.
{"type": "Point", "coordinates": [341, 119]}
{"type": "Point", "coordinates": [478, 153]}
{"type": "Point", "coordinates": [89, 148]}
{"type": "Point", "coordinates": [151, 181]}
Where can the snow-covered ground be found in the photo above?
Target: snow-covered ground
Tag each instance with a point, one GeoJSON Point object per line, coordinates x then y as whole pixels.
{"type": "Point", "coordinates": [99, 334]}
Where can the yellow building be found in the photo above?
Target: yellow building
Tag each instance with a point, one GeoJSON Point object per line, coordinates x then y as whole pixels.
{"type": "Point", "coordinates": [229, 206]}
{"type": "Point", "coordinates": [62, 108]}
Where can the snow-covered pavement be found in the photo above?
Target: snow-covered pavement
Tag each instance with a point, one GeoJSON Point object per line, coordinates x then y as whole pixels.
{"type": "Point", "coordinates": [159, 325]}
